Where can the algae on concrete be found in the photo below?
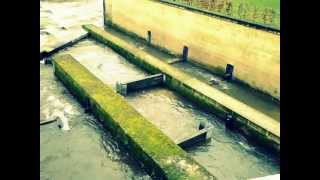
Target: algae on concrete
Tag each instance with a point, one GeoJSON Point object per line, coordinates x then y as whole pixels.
{"type": "Point", "coordinates": [159, 155]}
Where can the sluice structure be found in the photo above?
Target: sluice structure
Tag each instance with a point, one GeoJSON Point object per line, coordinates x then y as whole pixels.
{"type": "Point", "coordinates": [157, 37]}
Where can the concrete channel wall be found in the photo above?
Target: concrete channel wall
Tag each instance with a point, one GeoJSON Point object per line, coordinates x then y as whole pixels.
{"type": "Point", "coordinates": [250, 121]}
{"type": "Point", "coordinates": [161, 157]}
{"type": "Point", "coordinates": [213, 43]}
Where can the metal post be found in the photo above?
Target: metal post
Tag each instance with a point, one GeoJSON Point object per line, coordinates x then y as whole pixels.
{"type": "Point", "coordinates": [104, 13]}
{"type": "Point", "coordinates": [229, 121]}
{"type": "Point", "coordinates": [107, 12]}
{"type": "Point", "coordinates": [149, 37]}
{"type": "Point", "coordinates": [229, 72]}
{"type": "Point", "coordinates": [185, 53]}
{"type": "Point", "coordinates": [87, 106]}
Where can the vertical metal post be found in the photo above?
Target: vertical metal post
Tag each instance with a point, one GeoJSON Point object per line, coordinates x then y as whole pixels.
{"type": "Point", "coordinates": [149, 37]}
{"type": "Point", "coordinates": [104, 13]}
{"type": "Point", "coordinates": [229, 72]}
{"type": "Point", "coordinates": [185, 53]}
{"type": "Point", "coordinates": [87, 106]}
{"type": "Point", "coordinates": [229, 122]}
{"type": "Point", "coordinates": [107, 12]}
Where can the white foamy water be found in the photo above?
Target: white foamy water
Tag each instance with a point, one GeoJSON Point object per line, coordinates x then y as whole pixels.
{"type": "Point", "coordinates": [61, 21]}
{"type": "Point", "coordinates": [86, 151]}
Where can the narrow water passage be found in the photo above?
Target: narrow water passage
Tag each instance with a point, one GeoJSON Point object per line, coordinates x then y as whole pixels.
{"type": "Point", "coordinates": [227, 156]}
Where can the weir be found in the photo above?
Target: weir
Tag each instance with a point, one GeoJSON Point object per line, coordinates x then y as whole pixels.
{"type": "Point", "coordinates": [155, 80]}
{"type": "Point", "coordinates": [160, 155]}
{"type": "Point", "coordinates": [200, 137]}
{"type": "Point", "coordinates": [253, 123]}
{"type": "Point", "coordinates": [147, 82]}
{"type": "Point", "coordinates": [89, 59]}
{"type": "Point", "coordinates": [47, 53]}
{"type": "Point", "coordinates": [137, 125]}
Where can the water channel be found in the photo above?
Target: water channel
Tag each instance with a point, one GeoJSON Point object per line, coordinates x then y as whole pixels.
{"type": "Point", "coordinates": [87, 151]}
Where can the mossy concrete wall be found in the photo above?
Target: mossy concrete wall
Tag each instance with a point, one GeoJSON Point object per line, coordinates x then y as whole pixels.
{"type": "Point", "coordinates": [213, 43]}
{"type": "Point", "coordinates": [161, 157]}
{"type": "Point", "coordinates": [250, 121]}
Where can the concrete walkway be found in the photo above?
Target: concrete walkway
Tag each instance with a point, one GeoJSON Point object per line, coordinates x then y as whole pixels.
{"type": "Point", "coordinates": [198, 90]}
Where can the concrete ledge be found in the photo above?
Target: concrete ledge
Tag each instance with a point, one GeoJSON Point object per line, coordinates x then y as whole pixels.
{"type": "Point", "coordinates": [159, 155]}
{"type": "Point", "coordinates": [249, 121]}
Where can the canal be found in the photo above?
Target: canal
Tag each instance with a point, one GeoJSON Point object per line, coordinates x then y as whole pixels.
{"type": "Point", "coordinates": [87, 151]}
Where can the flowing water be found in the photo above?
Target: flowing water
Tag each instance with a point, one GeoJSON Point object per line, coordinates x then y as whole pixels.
{"type": "Point", "coordinates": [60, 21]}
{"type": "Point", "coordinates": [87, 151]}
{"type": "Point", "coordinates": [228, 155]}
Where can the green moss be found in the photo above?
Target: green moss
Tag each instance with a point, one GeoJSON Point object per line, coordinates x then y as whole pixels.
{"type": "Point", "coordinates": [145, 142]}
{"type": "Point", "coordinates": [258, 138]}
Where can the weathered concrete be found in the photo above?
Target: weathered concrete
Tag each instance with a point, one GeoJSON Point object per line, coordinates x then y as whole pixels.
{"type": "Point", "coordinates": [147, 82]}
{"type": "Point", "coordinates": [212, 42]}
{"type": "Point", "coordinates": [161, 157]}
{"type": "Point", "coordinates": [250, 121]}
